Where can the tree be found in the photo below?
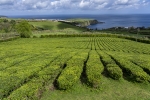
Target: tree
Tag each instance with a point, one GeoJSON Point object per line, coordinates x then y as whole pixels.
{"type": "Point", "coordinates": [24, 29]}
{"type": "Point", "coordinates": [13, 22]}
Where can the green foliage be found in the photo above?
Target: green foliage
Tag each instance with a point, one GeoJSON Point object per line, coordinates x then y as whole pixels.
{"type": "Point", "coordinates": [55, 26]}
{"type": "Point", "coordinates": [94, 68]}
{"type": "Point", "coordinates": [31, 66]}
{"type": "Point", "coordinates": [143, 62]}
{"type": "Point", "coordinates": [13, 22]}
{"type": "Point", "coordinates": [142, 40]}
{"type": "Point", "coordinates": [7, 26]}
{"type": "Point", "coordinates": [114, 71]}
{"type": "Point", "coordinates": [69, 77]}
{"type": "Point", "coordinates": [135, 72]}
{"type": "Point", "coordinates": [83, 22]}
{"type": "Point", "coordinates": [24, 29]}
{"type": "Point", "coordinates": [71, 74]}
{"type": "Point", "coordinates": [25, 92]}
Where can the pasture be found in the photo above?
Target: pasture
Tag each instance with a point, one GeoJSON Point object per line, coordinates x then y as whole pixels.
{"type": "Point", "coordinates": [55, 25]}
{"type": "Point", "coordinates": [77, 68]}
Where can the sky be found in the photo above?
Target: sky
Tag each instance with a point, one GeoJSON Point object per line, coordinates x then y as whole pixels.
{"type": "Point", "coordinates": [48, 7]}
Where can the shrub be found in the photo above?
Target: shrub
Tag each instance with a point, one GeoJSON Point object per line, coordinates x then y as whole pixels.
{"type": "Point", "coordinates": [24, 29]}
{"type": "Point", "coordinates": [114, 71]}
{"type": "Point", "coordinates": [94, 68]}
{"type": "Point", "coordinates": [69, 77]}
{"type": "Point", "coordinates": [135, 72]}
{"type": "Point", "coordinates": [71, 74]}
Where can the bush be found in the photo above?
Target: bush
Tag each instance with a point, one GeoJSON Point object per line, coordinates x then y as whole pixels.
{"type": "Point", "coordinates": [71, 74]}
{"type": "Point", "coordinates": [24, 29]}
{"type": "Point", "coordinates": [135, 72]}
{"type": "Point", "coordinates": [114, 71]}
{"type": "Point", "coordinates": [69, 77]}
{"type": "Point", "coordinates": [94, 68]}
{"type": "Point", "coordinates": [107, 60]}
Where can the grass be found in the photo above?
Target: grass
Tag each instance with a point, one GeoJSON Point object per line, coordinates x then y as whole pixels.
{"type": "Point", "coordinates": [4, 36]}
{"type": "Point", "coordinates": [110, 90]}
{"type": "Point", "coordinates": [34, 56]}
{"type": "Point", "coordinates": [51, 25]}
{"type": "Point", "coordinates": [79, 20]}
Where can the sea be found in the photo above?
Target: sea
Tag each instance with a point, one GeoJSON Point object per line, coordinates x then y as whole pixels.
{"type": "Point", "coordinates": [110, 20]}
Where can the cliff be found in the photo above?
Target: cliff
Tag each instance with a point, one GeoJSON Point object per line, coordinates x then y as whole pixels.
{"type": "Point", "coordinates": [83, 22]}
{"type": "Point", "coordinates": [87, 23]}
{"type": "Point", "coordinates": [1, 16]}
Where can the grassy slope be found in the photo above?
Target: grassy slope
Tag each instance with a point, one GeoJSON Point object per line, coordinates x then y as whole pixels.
{"type": "Point", "coordinates": [79, 20]}
{"type": "Point", "coordinates": [110, 90]}
{"type": "Point", "coordinates": [50, 25]}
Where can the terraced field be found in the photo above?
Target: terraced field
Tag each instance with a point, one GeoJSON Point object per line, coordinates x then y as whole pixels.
{"type": "Point", "coordinates": [27, 66]}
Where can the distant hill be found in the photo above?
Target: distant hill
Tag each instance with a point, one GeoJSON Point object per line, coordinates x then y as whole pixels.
{"type": "Point", "coordinates": [2, 16]}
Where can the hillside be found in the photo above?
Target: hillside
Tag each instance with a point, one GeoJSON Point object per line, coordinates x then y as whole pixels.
{"type": "Point", "coordinates": [83, 22]}
{"type": "Point", "coordinates": [54, 25]}
{"type": "Point", "coordinates": [74, 68]}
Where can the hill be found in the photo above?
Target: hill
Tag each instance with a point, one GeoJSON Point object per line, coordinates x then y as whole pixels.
{"type": "Point", "coordinates": [74, 68]}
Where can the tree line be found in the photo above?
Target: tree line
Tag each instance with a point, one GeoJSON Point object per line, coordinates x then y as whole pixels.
{"type": "Point", "coordinates": [23, 28]}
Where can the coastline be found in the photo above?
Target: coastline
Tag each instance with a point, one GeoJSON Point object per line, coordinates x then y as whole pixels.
{"type": "Point", "coordinates": [111, 20]}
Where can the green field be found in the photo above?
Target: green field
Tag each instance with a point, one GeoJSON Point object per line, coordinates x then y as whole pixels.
{"type": "Point", "coordinates": [54, 27]}
{"type": "Point", "coordinates": [76, 68]}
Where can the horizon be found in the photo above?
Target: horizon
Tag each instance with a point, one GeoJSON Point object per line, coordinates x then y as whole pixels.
{"type": "Point", "coordinates": [71, 14]}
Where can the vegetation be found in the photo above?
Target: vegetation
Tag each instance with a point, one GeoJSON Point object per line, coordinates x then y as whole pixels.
{"type": "Point", "coordinates": [7, 25]}
{"type": "Point", "coordinates": [82, 22]}
{"type": "Point", "coordinates": [131, 31]}
{"type": "Point", "coordinates": [94, 68]}
{"type": "Point", "coordinates": [54, 26]}
{"type": "Point", "coordinates": [69, 61]}
{"type": "Point", "coordinates": [98, 34]}
{"type": "Point", "coordinates": [31, 66]}
{"type": "Point", "coordinates": [112, 68]}
{"type": "Point", "coordinates": [24, 29]}
{"type": "Point", "coordinates": [71, 74]}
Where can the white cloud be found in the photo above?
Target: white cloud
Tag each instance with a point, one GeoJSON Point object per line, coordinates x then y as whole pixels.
{"type": "Point", "coordinates": [127, 2]}
{"type": "Point", "coordinates": [7, 2]}
{"type": "Point", "coordinates": [62, 4]}
{"type": "Point", "coordinates": [71, 4]}
{"type": "Point", "coordinates": [84, 4]}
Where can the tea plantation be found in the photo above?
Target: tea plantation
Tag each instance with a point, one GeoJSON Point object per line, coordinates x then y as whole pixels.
{"type": "Point", "coordinates": [61, 68]}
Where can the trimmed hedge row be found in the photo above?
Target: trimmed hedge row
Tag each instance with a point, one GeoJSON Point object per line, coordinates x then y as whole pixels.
{"type": "Point", "coordinates": [113, 69]}
{"type": "Point", "coordinates": [33, 89]}
{"type": "Point", "coordinates": [15, 76]}
{"type": "Point", "coordinates": [27, 91]}
{"type": "Point", "coordinates": [143, 63]}
{"type": "Point", "coordinates": [20, 75]}
{"type": "Point", "coordinates": [135, 72]}
{"type": "Point", "coordinates": [98, 35]}
{"type": "Point", "coordinates": [94, 68]}
{"type": "Point", "coordinates": [71, 74]}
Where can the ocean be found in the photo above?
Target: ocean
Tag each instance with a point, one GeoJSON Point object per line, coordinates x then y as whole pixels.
{"type": "Point", "coordinates": [122, 20]}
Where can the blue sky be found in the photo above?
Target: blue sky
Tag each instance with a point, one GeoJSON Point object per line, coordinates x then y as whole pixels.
{"type": "Point", "coordinates": [47, 7]}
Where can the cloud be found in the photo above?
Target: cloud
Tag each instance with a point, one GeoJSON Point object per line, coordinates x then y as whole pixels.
{"type": "Point", "coordinates": [62, 4]}
{"type": "Point", "coordinates": [71, 4]}
{"type": "Point", "coordinates": [33, 4]}
{"type": "Point", "coordinates": [7, 2]}
{"type": "Point", "coordinates": [84, 4]}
